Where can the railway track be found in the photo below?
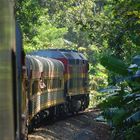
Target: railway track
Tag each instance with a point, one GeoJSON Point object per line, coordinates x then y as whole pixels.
{"type": "Point", "coordinates": [73, 127]}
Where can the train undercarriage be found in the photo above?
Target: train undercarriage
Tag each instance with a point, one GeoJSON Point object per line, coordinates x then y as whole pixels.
{"type": "Point", "coordinates": [73, 105]}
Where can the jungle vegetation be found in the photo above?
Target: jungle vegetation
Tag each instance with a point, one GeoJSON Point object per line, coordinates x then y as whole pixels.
{"type": "Point", "coordinates": [108, 33]}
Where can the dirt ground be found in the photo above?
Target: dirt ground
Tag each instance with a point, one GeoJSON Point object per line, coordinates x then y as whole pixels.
{"type": "Point", "coordinates": [80, 127]}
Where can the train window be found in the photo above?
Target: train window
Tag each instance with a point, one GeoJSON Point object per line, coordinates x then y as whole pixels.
{"type": "Point", "coordinates": [72, 61]}
{"type": "Point", "coordinates": [73, 83]}
{"type": "Point", "coordinates": [26, 85]}
{"type": "Point", "coordinates": [60, 83]}
{"type": "Point", "coordinates": [76, 82]}
{"type": "Point", "coordinates": [68, 55]}
{"type": "Point", "coordinates": [55, 83]}
{"type": "Point", "coordinates": [35, 87]}
{"type": "Point", "coordinates": [70, 83]}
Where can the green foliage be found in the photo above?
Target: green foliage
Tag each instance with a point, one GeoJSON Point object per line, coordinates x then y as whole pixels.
{"type": "Point", "coordinates": [38, 31]}
{"type": "Point", "coordinates": [133, 132]}
{"type": "Point", "coordinates": [27, 14]}
{"type": "Point", "coordinates": [114, 64]}
{"type": "Point", "coordinates": [121, 109]}
{"type": "Point", "coordinates": [48, 35]}
{"type": "Point", "coordinates": [124, 28]}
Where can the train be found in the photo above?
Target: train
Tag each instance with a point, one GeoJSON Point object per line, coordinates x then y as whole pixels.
{"type": "Point", "coordinates": [57, 83]}
{"type": "Point", "coordinates": [39, 86]}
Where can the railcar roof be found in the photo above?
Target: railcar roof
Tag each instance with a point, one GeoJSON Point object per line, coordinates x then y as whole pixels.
{"type": "Point", "coordinates": [60, 53]}
{"type": "Point", "coordinates": [41, 64]}
{"type": "Point", "coordinates": [48, 53]}
{"type": "Point", "coordinates": [82, 56]}
{"type": "Point", "coordinates": [50, 64]}
{"type": "Point", "coordinates": [33, 63]}
{"type": "Point", "coordinates": [63, 50]}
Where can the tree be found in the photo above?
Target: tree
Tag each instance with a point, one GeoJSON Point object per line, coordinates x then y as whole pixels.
{"type": "Point", "coordinates": [38, 31]}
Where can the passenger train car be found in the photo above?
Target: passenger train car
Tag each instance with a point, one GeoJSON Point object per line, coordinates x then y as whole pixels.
{"type": "Point", "coordinates": [10, 73]}
{"type": "Point", "coordinates": [6, 45]}
{"type": "Point", "coordinates": [45, 82]}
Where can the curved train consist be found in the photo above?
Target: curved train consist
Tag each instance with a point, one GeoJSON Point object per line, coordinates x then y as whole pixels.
{"type": "Point", "coordinates": [55, 82]}
{"type": "Point", "coordinates": [43, 84]}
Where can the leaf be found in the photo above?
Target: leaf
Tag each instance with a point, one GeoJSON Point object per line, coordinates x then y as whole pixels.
{"type": "Point", "coordinates": [134, 118]}
{"type": "Point", "coordinates": [114, 64]}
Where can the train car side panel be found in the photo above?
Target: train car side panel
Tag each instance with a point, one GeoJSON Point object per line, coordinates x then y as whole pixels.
{"type": "Point", "coordinates": [46, 84]}
{"type": "Point", "coordinates": [7, 49]}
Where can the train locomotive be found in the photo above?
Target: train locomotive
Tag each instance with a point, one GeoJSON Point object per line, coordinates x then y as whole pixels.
{"type": "Point", "coordinates": [55, 83]}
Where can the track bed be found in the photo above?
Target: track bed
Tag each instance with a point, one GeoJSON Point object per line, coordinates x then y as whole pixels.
{"type": "Point", "coordinates": [78, 127]}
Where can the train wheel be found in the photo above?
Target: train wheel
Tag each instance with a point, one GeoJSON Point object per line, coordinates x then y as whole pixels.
{"type": "Point", "coordinates": [52, 114]}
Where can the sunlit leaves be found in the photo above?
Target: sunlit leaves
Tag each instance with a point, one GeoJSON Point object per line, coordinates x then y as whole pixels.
{"type": "Point", "coordinates": [38, 31]}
